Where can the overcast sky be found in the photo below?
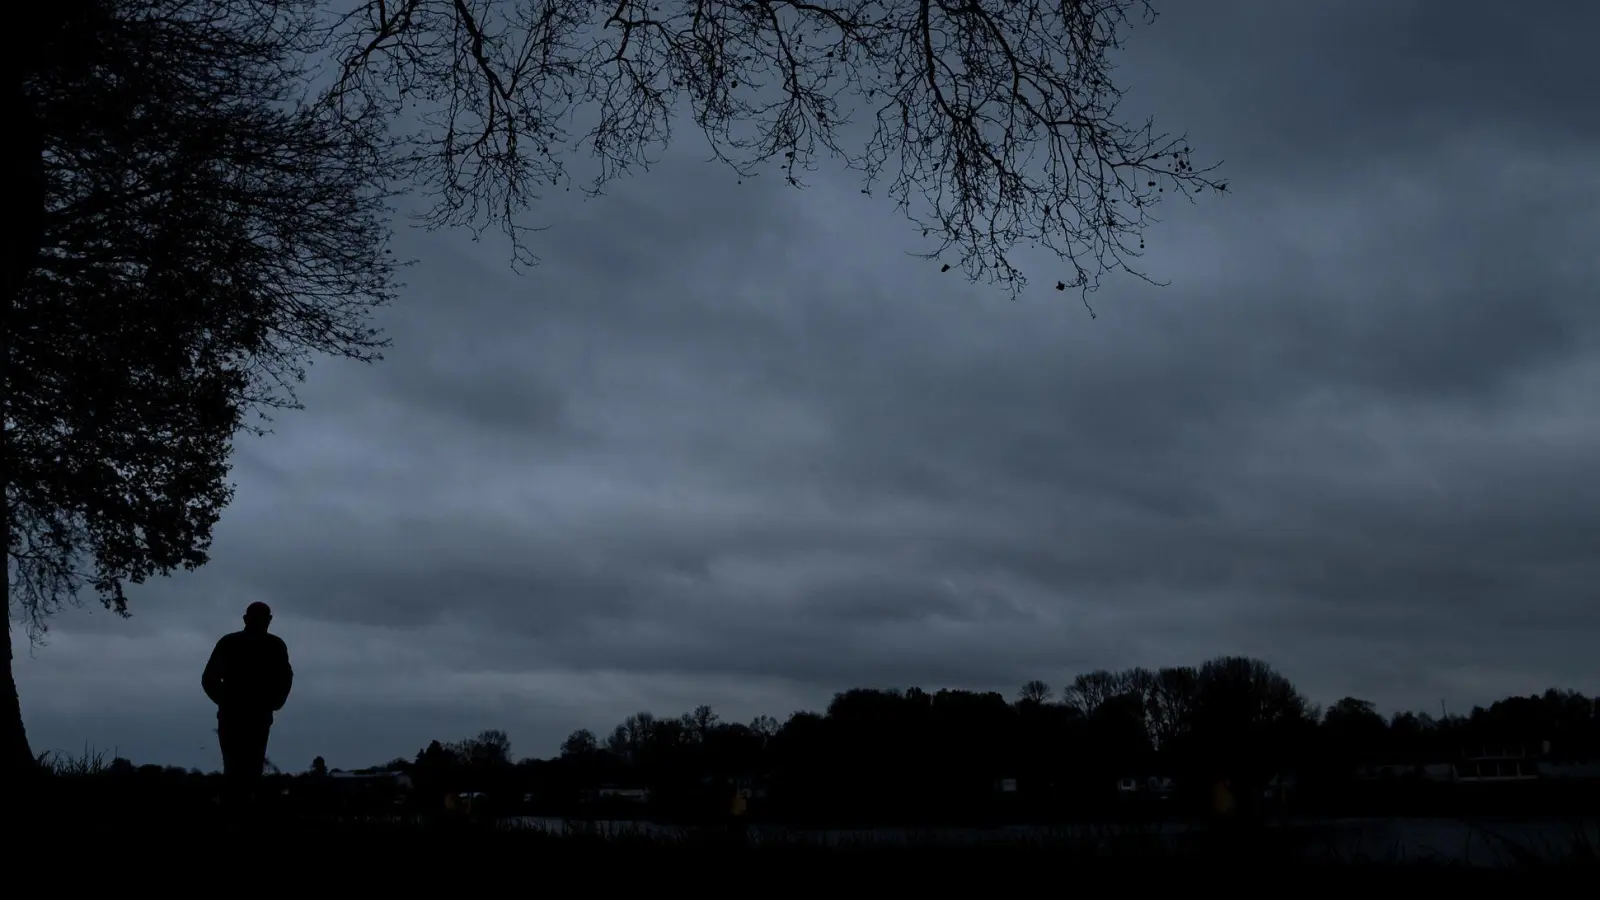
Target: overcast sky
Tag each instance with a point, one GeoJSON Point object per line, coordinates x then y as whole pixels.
{"type": "Point", "coordinates": [730, 444]}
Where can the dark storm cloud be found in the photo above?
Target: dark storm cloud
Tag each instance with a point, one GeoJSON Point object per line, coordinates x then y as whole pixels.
{"type": "Point", "coordinates": [729, 444]}
{"type": "Point", "coordinates": [1349, 87]}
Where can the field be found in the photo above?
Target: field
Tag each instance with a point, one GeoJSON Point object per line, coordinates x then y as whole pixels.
{"type": "Point", "coordinates": [81, 819]}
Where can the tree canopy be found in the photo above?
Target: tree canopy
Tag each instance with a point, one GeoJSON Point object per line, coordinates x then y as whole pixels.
{"type": "Point", "coordinates": [203, 232]}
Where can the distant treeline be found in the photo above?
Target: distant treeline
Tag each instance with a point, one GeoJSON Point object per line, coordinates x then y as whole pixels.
{"type": "Point", "coordinates": [1130, 743]}
{"type": "Point", "coordinates": [1098, 743]}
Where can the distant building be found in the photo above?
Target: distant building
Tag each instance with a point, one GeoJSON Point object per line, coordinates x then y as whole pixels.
{"type": "Point", "coordinates": [1490, 763]}
{"type": "Point", "coordinates": [623, 794]}
{"type": "Point", "coordinates": [1571, 770]}
{"type": "Point", "coordinates": [1158, 786]}
{"type": "Point", "coordinates": [1436, 772]}
{"type": "Point", "coordinates": [398, 780]}
{"type": "Point", "coordinates": [1386, 771]}
{"type": "Point", "coordinates": [370, 788]}
{"type": "Point", "coordinates": [463, 801]}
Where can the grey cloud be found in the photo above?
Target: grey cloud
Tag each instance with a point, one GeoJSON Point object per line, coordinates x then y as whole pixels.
{"type": "Point", "coordinates": [1354, 87]}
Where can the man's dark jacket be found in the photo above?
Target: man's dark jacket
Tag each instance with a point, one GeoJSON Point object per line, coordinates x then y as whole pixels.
{"type": "Point", "coordinates": [248, 673]}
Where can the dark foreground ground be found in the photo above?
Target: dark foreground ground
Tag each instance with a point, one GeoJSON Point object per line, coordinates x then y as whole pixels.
{"type": "Point", "coordinates": [84, 829]}
{"type": "Point", "coordinates": [279, 850]}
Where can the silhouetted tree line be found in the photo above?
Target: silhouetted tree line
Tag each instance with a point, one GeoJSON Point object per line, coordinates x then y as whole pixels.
{"type": "Point", "coordinates": [915, 755]}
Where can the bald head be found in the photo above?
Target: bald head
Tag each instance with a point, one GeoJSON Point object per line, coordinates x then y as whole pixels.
{"type": "Point", "coordinates": [257, 616]}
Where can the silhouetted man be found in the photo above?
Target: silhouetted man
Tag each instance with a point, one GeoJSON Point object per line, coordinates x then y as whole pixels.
{"type": "Point", "coordinates": [248, 678]}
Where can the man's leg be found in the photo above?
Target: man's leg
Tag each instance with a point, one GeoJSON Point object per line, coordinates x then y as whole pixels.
{"type": "Point", "coordinates": [244, 750]}
{"type": "Point", "coordinates": [232, 772]}
{"type": "Point", "coordinates": [260, 729]}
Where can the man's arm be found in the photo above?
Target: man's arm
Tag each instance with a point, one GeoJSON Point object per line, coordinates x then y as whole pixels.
{"type": "Point", "coordinates": [283, 679]}
{"type": "Point", "coordinates": [211, 681]}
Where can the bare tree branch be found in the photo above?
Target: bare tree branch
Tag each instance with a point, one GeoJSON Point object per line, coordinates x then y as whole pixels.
{"type": "Point", "coordinates": [994, 123]}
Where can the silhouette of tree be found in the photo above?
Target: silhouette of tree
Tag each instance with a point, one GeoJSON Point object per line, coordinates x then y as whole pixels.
{"type": "Point", "coordinates": [1035, 691]}
{"type": "Point", "coordinates": [1120, 736]}
{"type": "Point", "coordinates": [1357, 718]}
{"type": "Point", "coordinates": [669, 735]}
{"type": "Point", "coordinates": [1088, 691]}
{"type": "Point", "coordinates": [192, 233]}
{"type": "Point", "coordinates": [1173, 697]}
{"type": "Point", "coordinates": [1572, 722]}
{"type": "Point", "coordinates": [994, 122]}
{"type": "Point", "coordinates": [1353, 732]}
{"type": "Point", "coordinates": [631, 739]}
{"type": "Point", "coordinates": [490, 748]}
{"type": "Point", "coordinates": [701, 723]}
{"type": "Point", "coordinates": [1141, 683]}
{"type": "Point", "coordinates": [319, 767]}
{"type": "Point", "coordinates": [579, 744]}
{"type": "Point", "coordinates": [1409, 734]}
{"type": "Point", "coordinates": [435, 755]}
{"type": "Point", "coordinates": [765, 727]}
{"type": "Point", "coordinates": [1248, 718]}
{"type": "Point", "coordinates": [734, 749]}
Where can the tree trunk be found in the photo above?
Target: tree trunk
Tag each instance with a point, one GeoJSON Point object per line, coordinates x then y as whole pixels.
{"type": "Point", "coordinates": [26, 148]}
{"type": "Point", "coordinates": [18, 755]}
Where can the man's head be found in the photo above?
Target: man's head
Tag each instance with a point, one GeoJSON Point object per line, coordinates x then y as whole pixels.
{"type": "Point", "coordinates": [257, 616]}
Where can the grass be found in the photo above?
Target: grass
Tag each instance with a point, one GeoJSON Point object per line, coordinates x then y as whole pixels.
{"type": "Point", "coordinates": [58, 764]}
